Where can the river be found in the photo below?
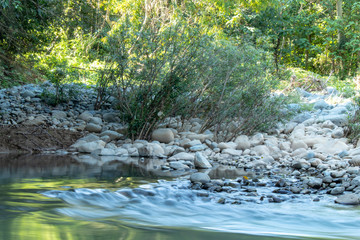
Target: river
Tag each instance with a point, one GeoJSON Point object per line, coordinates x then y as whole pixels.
{"type": "Point", "coordinates": [58, 197]}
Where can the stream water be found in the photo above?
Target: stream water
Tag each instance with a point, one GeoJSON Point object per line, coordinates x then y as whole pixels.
{"type": "Point", "coordinates": [57, 197]}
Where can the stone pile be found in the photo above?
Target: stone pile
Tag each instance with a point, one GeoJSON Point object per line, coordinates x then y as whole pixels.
{"type": "Point", "coordinates": [310, 151]}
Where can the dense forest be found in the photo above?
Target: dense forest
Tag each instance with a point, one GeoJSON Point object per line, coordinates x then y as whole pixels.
{"type": "Point", "coordinates": [188, 57]}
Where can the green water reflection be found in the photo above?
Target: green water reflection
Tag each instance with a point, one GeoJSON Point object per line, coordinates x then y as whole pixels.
{"type": "Point", "coordinates": [27, 215]}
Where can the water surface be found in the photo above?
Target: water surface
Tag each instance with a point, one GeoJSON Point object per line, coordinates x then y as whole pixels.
{"type": "Point", "coordinates": [44, 197]}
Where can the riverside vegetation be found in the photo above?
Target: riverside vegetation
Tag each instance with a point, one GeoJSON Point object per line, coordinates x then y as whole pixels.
{"type": "Point", "coordinates": [194, 84]}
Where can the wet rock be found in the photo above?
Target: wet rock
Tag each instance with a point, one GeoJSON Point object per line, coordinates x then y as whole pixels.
{"type": "Point", "coordinates": [163, 135]}
{"type": "Point", "coordinates": [348, 199]}
{"type": "Point", "coordinates": [201, 161]}
{"type": "Point", "coordinates": [199, 177]}
{"type": "Point", "coordinates": [337, 190]}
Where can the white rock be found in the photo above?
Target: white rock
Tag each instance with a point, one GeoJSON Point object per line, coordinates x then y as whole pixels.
{"type": "Point", "coordinates": [261, 150]}
{"type": "Point", "coordinates": [232, 152]}
{"type": "Point", "coordinates": [121, 152]}
{"type": "Point", "coordinates": [107, 152]}
{"type": "Point", "coordinates": [242, 142]}
{"type": "Point", "coordinates": [257, 139]}
{"type": "Point", "coordinates": [296, 144]}
{"type": "Point", "coordinates": [201, 161]}
{"type": "Point", "coordinates": [182, 156]}
{"type": "Point", "coordinates": [337, 133]}
{"type": "Point", "coordinates": [228, 145]}
{"type": "Point", "coordinates": [332, 146]}
{"type": "Point", "coordinates": [178, 166]}
{"type": "Point", "coordinates": [199, 177]}
{"type": "Point", "coordinates": [328, 124]}
{"type": "Point", "coordinates": [88, 147]}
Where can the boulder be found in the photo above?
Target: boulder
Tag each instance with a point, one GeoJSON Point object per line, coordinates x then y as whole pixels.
{"type": "Point", "coordinates": [355, 160]}
{"type": "Point", "coordinates": [178, 166]}
{"type": "Point", "coordinates": [85, 116]}
{"type": "Point", "coordinates": [348, 199]}
{"type": "Point", "coordinates": [321, 104]}
{"type": "Point", "coordinates": [111, 117]}
{"type": "Point", "coordinates": [242, 142]}
{"type": "Point", "coordinates": [58, 114]}
{"type": "Point", "coordinates": [257, 139]}
{"type": "Point", "coordinates": [88, 147]}
{"type": "Point", "coordinates": [112, 134]}
{"type": "Point", "coordinates": [337, 133]}
{"type": "Point", "coordinates": [200, 178]}
{"type": "Point", "coordinates": [182, 156]}
{"type": "Point", "coordinates": [91, 127]}
{"type": "Point", "coordinates": [296, 144]}
{"type": "Point", "coordinates": [332, 146]}
{"type": "Point", "coordinates": [201, 161]}
{"type": "Point", "coordinates": [95, 120]}
{"type": "Point", "coordinates": [232, 152]}
{"type": "Point", "coordinates": [163, 135]}
{"type": "Point", "coordinates": [261, 150]}
{"type": "Point", "coordinates": [227, 145]}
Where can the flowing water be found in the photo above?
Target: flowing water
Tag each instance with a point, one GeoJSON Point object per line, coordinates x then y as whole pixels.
{"type": "Point", "coordinates": [43, 197]}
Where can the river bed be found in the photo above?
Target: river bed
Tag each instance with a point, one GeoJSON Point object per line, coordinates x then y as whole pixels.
{"type": "Point", "coordinates": [57, 197]}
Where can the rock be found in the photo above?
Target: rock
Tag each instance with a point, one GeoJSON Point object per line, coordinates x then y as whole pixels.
{"type": "Point", "coordinates": [189, 144]}
{"type": "Point", "coordinates": [338, 133]}
{"type": "Point", "coordinates": [95, 120]}
{"type": "Point", "coordinates": [199, 178]}
{"type": "Point", "coordinates": [112, 134]}
{"type": "Point", "coordinates": [315, 162]}
{"type": "Point", "coordinates": [321, 104]}
{"type": "Point", "coordinates": [356, 181]}
{"type": "Point", "coordinates": [121, 152]}
{"type": "Point", "coordinates": [111, 117]}
{"type": "Point", "coordinates": [315, 183]}
{"type": "Point", "coordinates": [289, 127]}
{"type": "Point", "coordinates": [232, 152]}
{"type": "Point", "coordinates": [228, 145]}
{"type": "Point", "coordinates": [88, 147]}
{"type": "Point", "coordinates": [145, 151]}
{"type": "Point", "coordinates": [296, 144]}
{"type": "Point", "coordinates": [337, 174]}
{"type": "Point", "coordinates": [300, 164]}
{"type": "Point", "coordinates": [85, 116]}
{"type": "Point", "coordinates": [242, 142]}
{"type": "Point", "coordinates": [331, 147]}
{"type": "Point", "coordinates": [337, 190]}
{"type": "Point", "coordinates": [303, 93]}
{"type": "Point", "coordinates": [332, 91]}
{"type": "Point", "coordinates": [261, 150]}
{"type": "Point", "coordinates": [197, 148]}
{"type": "Point", "coordinates": [339, 120]}
{"type": "Point", "coordinates": [348, 199]}
{"type": "Point", "coordinates": [39, 120]}
{"type": "Point", "coordinates": [91, 127]}
{"type": "Point", "coordinates": [201, 161]}
{"type": "Point", "coordinates": [58, 114]}
{"type": "Point", "coordinates": [355, 160]}
{"type": "Point", "coordinates": [301, 117]}
{"type": "Point", "coordinates": [312, 140]}
{"type": "Point", "coordinates": [27, 93]}
{"type": "Point", "coordinates": [107, 152]}
{"type": "Point", "coordinates": [328, 124]}
{"type": "Point", "coordinates": [163, 135]}
{"type": "Point", "coordinates": [257, 139]}
{"type": "Point", "coordinates": [182, 156]}
{"type": "Point", "coordinates": [178, 166]}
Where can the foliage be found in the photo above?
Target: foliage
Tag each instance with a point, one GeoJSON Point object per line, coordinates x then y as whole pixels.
{"type": "Point", "coordinates": [353, 127]}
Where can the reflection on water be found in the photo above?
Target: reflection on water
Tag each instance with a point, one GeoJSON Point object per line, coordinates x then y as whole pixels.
{"type": "Point", "coordinates": [58, 197]}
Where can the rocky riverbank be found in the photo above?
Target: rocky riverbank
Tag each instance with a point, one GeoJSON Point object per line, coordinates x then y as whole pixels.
{"type": "Point", "coordinates": [307, 155]}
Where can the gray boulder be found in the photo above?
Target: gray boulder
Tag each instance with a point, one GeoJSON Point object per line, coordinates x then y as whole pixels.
{"type": "Point", "coordinates": [199, 177]}
{"type": "Point", "coordinates": [348, 199]}
{"type": "Point", "coordinates": [201, 161]}
{"type": "Point", "coordinates": [91, 127]}
{"type": "Point", "coordinates": [163, 135]}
